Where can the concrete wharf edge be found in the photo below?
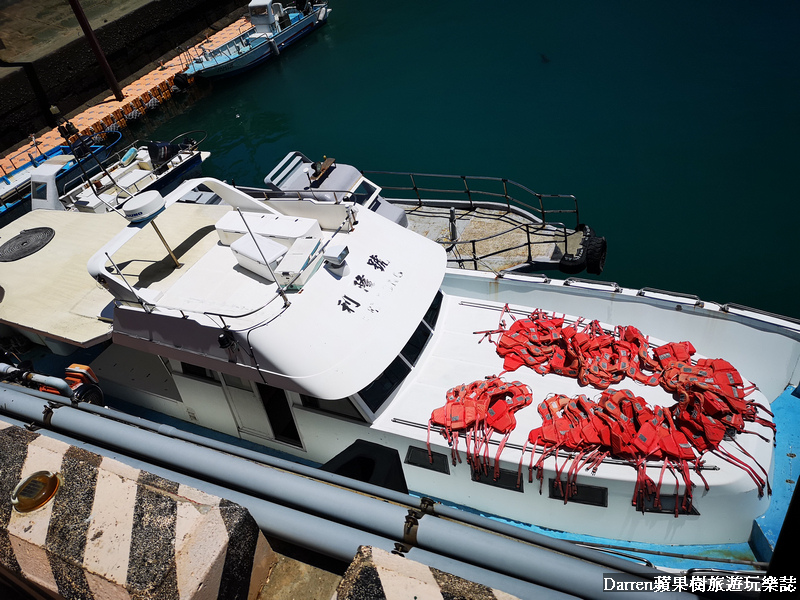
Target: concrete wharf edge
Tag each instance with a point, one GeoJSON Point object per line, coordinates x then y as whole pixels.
{"type": "Point", "coordinates": [109, 114]}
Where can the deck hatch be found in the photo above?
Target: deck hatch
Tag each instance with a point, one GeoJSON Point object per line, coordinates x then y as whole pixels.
{"type": "Point", "coordinates": [667, 505]}
{"type": "Point", "coordinates": [418, 457]}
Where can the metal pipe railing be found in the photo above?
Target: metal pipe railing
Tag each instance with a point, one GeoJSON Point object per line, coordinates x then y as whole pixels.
{"type": "Point", "coordinates": [470, 191]}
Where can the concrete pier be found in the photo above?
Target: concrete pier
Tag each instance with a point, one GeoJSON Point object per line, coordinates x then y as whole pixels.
{"type": "Point", "coordinates": [45, 60]}
{"type": "Point", "coordinates": [114, 532]}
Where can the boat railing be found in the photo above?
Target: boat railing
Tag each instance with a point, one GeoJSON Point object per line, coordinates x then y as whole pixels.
{"type": "Point", "coordinates": [477, 190]}
{"type": "Point", "coordinates": [200, 53]}
{"type": "Point", "coordinates": [29, 160]}
{"type": "Point", "coordinates": [592, 284]}
{"type": "Point", "coordinates": [546, 211]}
{"type": "Point", "coordinates": [677, 298]}
{"type": "Point", "coordinates": [557, 231]}
{"type": "Point", "coordinates": [113, 158]}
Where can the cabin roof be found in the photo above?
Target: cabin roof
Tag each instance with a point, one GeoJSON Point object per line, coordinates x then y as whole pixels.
{"type": "Point", "coordinates": [50, 292]}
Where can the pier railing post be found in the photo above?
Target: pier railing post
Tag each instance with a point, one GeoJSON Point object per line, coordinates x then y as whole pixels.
{"type": "Point", "coordinates": [98, 51]}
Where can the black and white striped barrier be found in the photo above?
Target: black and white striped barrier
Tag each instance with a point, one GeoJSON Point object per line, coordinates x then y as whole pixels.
{"type": "Point", "coordinates": [376, 574]}
{"type": "Point", "coordinates": [114, 532]}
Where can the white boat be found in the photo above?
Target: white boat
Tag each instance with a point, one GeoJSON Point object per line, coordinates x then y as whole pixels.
{"type": "Point", "coordinates": [274, 27]}
{"type": "Point", "coordinates": [139, 167]}
{"type": "Point", "coordinates": [304, 326]}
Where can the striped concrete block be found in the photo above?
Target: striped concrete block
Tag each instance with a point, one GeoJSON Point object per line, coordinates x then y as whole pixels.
{"type": "Point", "coordinates": [376, 574]}
{"type": "Point", "coordinates": [112, 531]}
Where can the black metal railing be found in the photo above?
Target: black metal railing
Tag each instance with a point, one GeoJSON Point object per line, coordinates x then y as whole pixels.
{"type": "Point", "coordinates": [475, 191]}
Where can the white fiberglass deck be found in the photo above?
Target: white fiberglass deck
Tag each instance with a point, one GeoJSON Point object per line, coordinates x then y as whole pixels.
{"type": "Point", "coordinates": [49, 293]}
{"type": "Point", "coordinates": [456, 355]}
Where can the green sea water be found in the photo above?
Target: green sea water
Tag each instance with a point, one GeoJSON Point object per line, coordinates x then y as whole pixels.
{"type": "Point", "coordinates": [676, 124]}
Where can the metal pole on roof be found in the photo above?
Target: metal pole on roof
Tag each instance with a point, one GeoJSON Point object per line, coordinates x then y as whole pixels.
{"type": "Point", "coordinates": [98, 51]}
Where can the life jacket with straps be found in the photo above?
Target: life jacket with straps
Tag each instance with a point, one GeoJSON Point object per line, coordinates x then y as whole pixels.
{"type": "Point", "coordinates": [477, 410]}
{"type": "Point", "coordinates": [712, 404]}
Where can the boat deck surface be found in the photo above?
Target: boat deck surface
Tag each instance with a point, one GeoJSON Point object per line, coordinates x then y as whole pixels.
{"type": "Point", "coordinates": [35, 290]}
{"type": "Point", "coordinates": [458, 354]}
{"type": "Point", "coordinates": [499, 236]}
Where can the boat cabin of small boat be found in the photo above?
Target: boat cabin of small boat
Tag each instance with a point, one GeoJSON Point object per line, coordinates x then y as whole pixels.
{"type": "Point", "coordinates": [307, 325]}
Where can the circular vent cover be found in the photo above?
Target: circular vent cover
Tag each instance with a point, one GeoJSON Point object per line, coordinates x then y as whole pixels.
{"type": "Point", "coordinates": [26, 243]}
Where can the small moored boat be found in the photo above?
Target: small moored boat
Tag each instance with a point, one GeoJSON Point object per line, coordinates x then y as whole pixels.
{"type": "Point", "coordinates": [139, 167]}
{"type": "Point", "coordinates": [63, 162]}
{"type": "Point", "coordinates": [274, 27]}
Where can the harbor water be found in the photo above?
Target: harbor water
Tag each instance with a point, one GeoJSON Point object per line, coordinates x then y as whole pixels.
{"type": "Point", "coordinates": [675, 124]}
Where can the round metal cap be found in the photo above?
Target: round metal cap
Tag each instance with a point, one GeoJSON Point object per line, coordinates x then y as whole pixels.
{"type": "Point", "coordinates": [35, 491]}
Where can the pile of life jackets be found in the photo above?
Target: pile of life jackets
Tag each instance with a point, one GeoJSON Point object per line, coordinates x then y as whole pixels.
{"type": "Point", "coordinates": [711, 405]}
{"type": "Point", "coordinates": [479, 409]}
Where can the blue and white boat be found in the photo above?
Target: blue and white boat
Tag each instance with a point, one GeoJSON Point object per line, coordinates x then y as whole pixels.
{"type": "Point", "coordinates": [139, 167]}
{"type": "Point", "coordinates": [64, 161]}
{"type": "Point", "coordinates": [274, 27]}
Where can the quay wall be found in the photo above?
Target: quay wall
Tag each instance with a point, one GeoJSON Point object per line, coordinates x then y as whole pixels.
{"type": "Point", "coordinates": [68, 75]}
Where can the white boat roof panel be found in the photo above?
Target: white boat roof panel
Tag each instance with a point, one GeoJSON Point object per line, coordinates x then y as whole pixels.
{"type": "Point", "coordinates": [49, 292]}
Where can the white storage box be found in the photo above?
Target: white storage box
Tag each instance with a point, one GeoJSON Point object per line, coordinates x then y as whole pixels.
{"type": "Point", "coordinates": [248, 254]}
{"type": "Point", "coordinates": [297, 258]}
{"type": "Point", "coordinates": [279, 227]}
{"type": "Point", "coordinates": [88, 202]}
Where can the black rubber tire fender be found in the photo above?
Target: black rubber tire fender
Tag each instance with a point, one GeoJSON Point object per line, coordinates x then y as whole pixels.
{"type": "Point", "coordinates": [572, 264]}
{"type": "Point", "coordinates": [596, 250]}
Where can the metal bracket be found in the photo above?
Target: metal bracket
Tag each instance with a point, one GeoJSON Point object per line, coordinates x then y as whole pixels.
{"type": "Point", "coordinates": [47, 414]}
{"type": "Point", "coordinates": [410, 529]}
{"type": "Point", "coordinates": [401, 549]}
{"type": "Point", "coordinates": [427, 506]}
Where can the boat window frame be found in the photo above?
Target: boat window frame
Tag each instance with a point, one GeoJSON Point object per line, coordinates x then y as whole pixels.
{"type": "Point", "coordinates": [355, 195]}
{"type": "Point", "coordinates": [179, 367]}
{"type": "Point", "coordinates": [429, 320]}
{"type": "Point", "coordinates": [39, 191]}
{"type": "Point", "coordinates": [328, 408]}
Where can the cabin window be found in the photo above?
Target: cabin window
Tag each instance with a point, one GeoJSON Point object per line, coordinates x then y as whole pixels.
{"type": "Point", "coordinates": [376, 393]}
{"type": "Point", "coordinates": [279, 414]}
{"type": "Point", "coordinates": [40, 192]}
{"type": "Point", "coordinates": [199, 372]}
{"type": "Point", "coordinates": [433, 311]}
{"type": "Point", "coordinates": [342, 407]}
{"type": "Point", "coordinates": [363, 192]}
{"type": "Point", "coordinates": [237, 382]}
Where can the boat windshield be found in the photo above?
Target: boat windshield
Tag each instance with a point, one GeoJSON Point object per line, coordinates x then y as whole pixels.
{"type": "Point", "coordinates": [376, 393]}
{"type": "Point", "coordinates": [363, 192]}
